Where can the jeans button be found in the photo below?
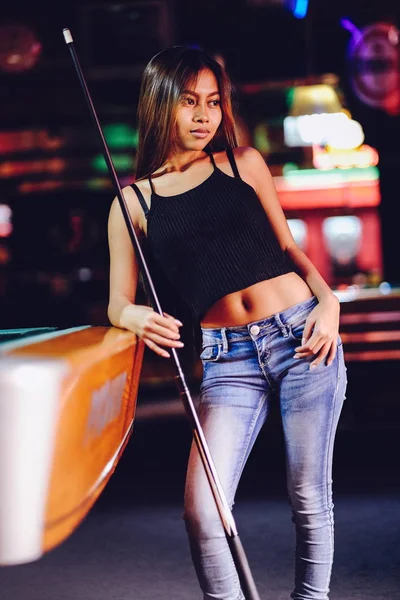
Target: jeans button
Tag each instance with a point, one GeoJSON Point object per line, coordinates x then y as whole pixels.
{"type": "Point", "coordinates": [254, 330]}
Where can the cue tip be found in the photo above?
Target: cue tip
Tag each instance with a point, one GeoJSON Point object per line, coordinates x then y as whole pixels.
{"type": "Point", "coordinates": [67, 36]}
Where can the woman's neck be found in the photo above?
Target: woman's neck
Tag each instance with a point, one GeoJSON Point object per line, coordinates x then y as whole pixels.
{"type": "Point", "coordinates": [182, 160]}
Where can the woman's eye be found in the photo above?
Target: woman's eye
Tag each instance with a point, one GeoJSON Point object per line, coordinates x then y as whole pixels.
{"type": "Point", "coordinates": [215, 102]}
{"type": "Point", "coordinates": [189, 101]}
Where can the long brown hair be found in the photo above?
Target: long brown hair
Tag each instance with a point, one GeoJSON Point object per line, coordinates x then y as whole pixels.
{"type": "Point", "coordinates": [165, 77]}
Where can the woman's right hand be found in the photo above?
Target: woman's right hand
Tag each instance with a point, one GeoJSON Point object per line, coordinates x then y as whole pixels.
{"type": "Point", "coordinates": [155, 330]}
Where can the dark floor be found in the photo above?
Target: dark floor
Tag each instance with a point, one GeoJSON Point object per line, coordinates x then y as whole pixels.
{"type": "Point", "coordinates": [132, 546]}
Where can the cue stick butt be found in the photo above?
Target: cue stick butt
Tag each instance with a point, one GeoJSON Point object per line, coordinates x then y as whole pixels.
{"type": "Point", "coordinates": [67, 36]}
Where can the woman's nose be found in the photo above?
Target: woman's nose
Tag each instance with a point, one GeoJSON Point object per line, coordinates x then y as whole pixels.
{"type": "Point", "coordinates": [201, 116]}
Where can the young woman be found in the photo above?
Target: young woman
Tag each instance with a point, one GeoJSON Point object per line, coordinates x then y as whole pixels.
{"type": "Point", "coordinates": [269, 322]}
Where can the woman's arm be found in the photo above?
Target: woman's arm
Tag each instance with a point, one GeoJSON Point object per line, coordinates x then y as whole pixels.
{"type": "Point", "coordinates": [323, 324]}
{"type": "Point", "coordinates": [124, 270]}
{"type": "Point", "coordinates": [310, 274]}
{"type": "Point", "coordinates": [254, 170]}
{"type": "Point", "coordinates": [154, 329]}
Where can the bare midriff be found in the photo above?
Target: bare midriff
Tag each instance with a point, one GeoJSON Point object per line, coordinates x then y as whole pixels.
{"type": "Point", "coordinates": [257, 302]}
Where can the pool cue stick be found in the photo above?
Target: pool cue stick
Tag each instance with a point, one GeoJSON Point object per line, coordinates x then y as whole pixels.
{"type": "Point", "coordinates": [239, 557]}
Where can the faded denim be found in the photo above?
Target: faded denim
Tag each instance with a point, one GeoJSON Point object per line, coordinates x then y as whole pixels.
{"type": "Point", "coordinates": [245, 369]}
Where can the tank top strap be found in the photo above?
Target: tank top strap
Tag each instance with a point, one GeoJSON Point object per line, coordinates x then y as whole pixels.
{"type": "Point", "coordinates": [141, 199]}
{"type": "Point", "coordinates": [153, 191]}
{"type": "Point", "coordinates": [210, 154]}
{"type": "Point", "coordinates": [232, 162]}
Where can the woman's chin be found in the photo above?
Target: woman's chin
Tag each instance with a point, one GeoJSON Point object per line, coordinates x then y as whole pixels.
{"type": "Point", "coordinates": [193, 145]}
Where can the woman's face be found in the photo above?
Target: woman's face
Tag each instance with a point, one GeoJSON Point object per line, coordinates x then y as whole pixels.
{"type": "Point", "coordinates": [199, 113]}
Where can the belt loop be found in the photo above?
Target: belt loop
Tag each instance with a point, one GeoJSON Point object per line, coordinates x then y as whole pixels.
{"type": "Point", "coordinates": [225, 347]}
{"type": "Point", "coordinates": [284, 329]}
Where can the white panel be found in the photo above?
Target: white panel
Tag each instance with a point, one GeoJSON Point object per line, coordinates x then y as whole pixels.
{"type": "Point", "coordinates": [343, 237]}
{"type": "Point", "coordinates": [29, 405]}
{"type": "Point", "coordinates": [299, 231]}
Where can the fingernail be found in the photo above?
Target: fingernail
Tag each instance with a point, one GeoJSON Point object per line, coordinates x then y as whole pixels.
{"type": "Point", "coordinates": [180, 344]}
{"type": "Point", "coordinates": [166, 355]}
{"type": "Point", "coordinates": [312, 367]}
{"type": "Point", "coordinates": [303, 341]}
{"type": "Point", "coordinates": [296, 356]}
{"type": "Point", "coordinates": [179, 323]}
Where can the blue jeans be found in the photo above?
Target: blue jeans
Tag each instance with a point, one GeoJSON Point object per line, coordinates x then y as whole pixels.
{"type": "Point", "coordinates": [245, 368]}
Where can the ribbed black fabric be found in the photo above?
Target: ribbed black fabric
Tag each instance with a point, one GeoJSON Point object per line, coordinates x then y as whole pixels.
{"type": "Point", "coordinates": [214, 240]}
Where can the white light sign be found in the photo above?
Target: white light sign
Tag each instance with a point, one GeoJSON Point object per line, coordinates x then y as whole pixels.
{"type": "Point", "coordinates": [325, 129]}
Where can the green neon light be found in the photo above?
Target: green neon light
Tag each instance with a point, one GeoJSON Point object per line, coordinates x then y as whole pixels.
{"type": "Point", "coordinates": [289, 167]}
{"type": "Point", "coordinates": [317, 177]}
{"type": "Point", "coordinates": [120, 136]}
{"type": "Point", "coordinates": [122, 162]}
{"type": "Point", "coordinates": [289, 96]}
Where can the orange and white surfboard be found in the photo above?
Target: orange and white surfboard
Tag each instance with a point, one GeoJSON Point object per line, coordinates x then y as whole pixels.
{"type": "Point", "coordinates": [67, 407]}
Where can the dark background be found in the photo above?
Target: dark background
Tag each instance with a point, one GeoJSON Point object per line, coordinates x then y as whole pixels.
{"type": "Point", "coordinates": [259, 43]}
{"type": "Point", "coordinates": [115, 40]}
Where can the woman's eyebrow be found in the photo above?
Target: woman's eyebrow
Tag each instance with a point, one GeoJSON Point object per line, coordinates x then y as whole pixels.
{"type": "Point", "coordinates": [197, 95]}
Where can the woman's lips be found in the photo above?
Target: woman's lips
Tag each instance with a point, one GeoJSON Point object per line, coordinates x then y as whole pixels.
{"type": "Point", "coordinates": [200, 133]}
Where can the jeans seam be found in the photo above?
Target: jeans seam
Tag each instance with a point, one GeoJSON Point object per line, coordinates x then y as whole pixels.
{"type": "Point", "coordinates": [263, 365]}
{"type": "Point", "coordinates": [246, 445]}
{"type": "Point", "coordinates": [328, 451]}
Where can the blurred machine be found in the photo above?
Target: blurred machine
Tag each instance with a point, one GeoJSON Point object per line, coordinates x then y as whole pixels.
{"type": "Point", "coordinates": [67, 408]}
{"type": "Point", "coordinates": [326, 177]}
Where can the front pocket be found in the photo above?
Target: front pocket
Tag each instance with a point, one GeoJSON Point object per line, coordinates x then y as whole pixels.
{"type": "Point", "coordinates": [297, 332]}
{"type": "Point", "coordinates": [297, 329]}
{"type": "Point", "coordinates": [211, 353]}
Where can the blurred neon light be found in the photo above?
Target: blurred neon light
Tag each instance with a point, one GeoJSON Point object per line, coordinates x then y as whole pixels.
{"type": "Point", "coordinates": [298, 229]}
{"type": "Point", "coordinates": [29, 187]}
{"type": "Point", "coordinates": [342, 236]}
{"type": "Point", "coordinates": [122, 162]}
{"type": "Point", "coordinates": [333, 129]}
{"type": "Point", "coordinates": [362, 158]}
{"type": "Point", "coordinates": [23, 141]}
{"type": "Point", "coordinates": [316, 179]}
{"type": "Point", "coordinates": [350, 137]}
{"type": "Point", "coordinates": [17, 168]}
{"type": "Point", "coordinates": [120, 136]}
{"type": "Point", "coordinates": [362, 194]}
{"type": "Point", "coordinates": [351, 28]}
{"type": "Point", "coordinates": [5, 221]}
{"type": "Point", "coordinates": [300, 8]}
{"type": "Point", "coordinates": [98, 183]}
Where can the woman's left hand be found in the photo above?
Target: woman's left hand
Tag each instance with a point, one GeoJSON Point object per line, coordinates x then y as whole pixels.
{"type": "Point", "coordinates": [321, 332]}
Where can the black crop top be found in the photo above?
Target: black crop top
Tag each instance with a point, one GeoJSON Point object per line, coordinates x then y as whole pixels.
{"type": "Point", "coordinates": [213, 240]}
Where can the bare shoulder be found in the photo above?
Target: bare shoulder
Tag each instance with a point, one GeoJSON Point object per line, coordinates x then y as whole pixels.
{"type": "Point", "coordinates": [144, 187]}
{"type": "Point", "coordinates": [242, 154]}
{"type": "Point", "coordinates": [248, 158]}
{"type": "Point", "coordinates": [252, 167]}
{"type": "Point", "coordinates": [132, 201]}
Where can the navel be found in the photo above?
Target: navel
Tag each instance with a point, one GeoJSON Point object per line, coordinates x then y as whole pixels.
{"type": "Point", "coordinates": [246, 305]}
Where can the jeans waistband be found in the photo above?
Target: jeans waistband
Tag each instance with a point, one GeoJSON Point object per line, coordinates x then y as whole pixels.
{"type": "Point", "coordinates": [280, 321]}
